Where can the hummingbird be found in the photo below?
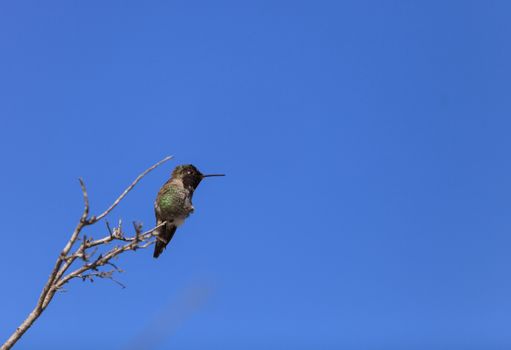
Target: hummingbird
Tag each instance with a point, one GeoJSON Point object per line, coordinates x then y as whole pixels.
{"type": "Point", "coordinates": [173, 203]}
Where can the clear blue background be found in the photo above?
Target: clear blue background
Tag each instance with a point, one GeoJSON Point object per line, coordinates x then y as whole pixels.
{"type": "Point", "coordinates": [367, 146]}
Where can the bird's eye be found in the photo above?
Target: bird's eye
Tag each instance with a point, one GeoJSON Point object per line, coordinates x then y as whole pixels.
{"type": "Point", "coordinates": [189, 172]}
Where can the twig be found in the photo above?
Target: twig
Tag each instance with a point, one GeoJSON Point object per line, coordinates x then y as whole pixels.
{"type": "Point", "coordinates": [109, 229]}
{"type": "Point", "coordinates": [146, 238]}
{"type": "Point", "coordinates": [85, 200]}
{"type": "Point", "coordinates": [102, 274]}
{"type": "Point", "coordinates": [130, 187]}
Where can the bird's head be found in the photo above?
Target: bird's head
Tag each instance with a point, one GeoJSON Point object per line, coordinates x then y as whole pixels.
{"type": "Point", "coordinates": [190, 175]}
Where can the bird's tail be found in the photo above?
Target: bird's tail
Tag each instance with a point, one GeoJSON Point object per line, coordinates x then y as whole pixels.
{"type": "Point", "coordinates": [165, 234]}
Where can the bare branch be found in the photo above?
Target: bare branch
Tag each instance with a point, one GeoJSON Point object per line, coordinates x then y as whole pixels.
{"type": "Point", "coordinates": [89, 270]}
{"type": "Point", "coordinates": [130, 187]}
{"type": "Point", "coordinates": [144, 240]}
{"type": "Point", "coordinates": [83, 221]}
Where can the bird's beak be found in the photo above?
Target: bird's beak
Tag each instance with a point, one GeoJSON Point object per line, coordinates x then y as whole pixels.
{"type": "Point", "coordinates": [211, 175]}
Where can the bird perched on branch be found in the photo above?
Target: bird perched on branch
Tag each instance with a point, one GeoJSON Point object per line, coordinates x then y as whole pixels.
{"type": "Point", "coordinates": [174, 202]}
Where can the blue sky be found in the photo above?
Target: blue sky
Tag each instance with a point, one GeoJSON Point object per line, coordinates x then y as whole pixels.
{"type": "Point", "coordinates": [366, 145]}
